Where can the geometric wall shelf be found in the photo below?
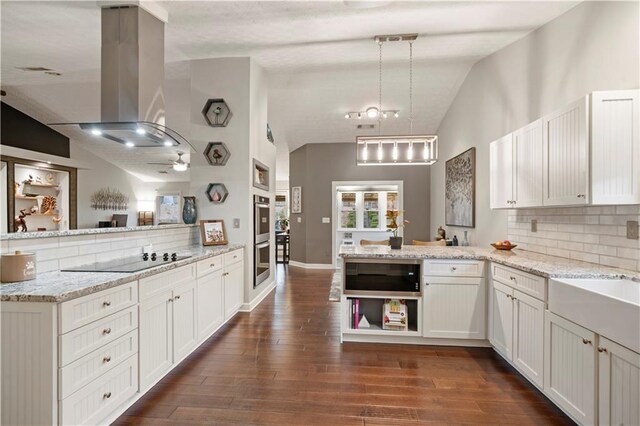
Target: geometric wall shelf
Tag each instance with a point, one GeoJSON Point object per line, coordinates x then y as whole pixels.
{"type": "Point", "coordinates": [217, 193]}
{"type": "Point", "coordinates": [217, 113]}
{"type": "Point", "coordinates": [217, 153]}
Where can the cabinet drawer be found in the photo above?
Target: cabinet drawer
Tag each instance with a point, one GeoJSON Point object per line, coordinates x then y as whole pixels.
{"type": "Point", "coordinates": [79, 342]}
{"type": "Point", "coordinates": [233, 257]}
{"type": "Point", "coordinates": [93, 365]}
{"type": "Point", "coordinates": [78, 312]}
{"type": "Point", "coordinates": [159, 283]}
{"type": "Point", "coordinates": [454, 268]}
{"type": "Point", "coordinates": [532, 285]}
{"type": "Point", "coordinates": [207, 266]}
{"type": "Point", "coordinates": [94, 402]}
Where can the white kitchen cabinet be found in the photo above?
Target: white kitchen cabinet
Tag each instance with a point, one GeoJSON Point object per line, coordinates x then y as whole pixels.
{"type": "Point", "coordinates": [233, 289]}
{"type": "Point", "coordinates": [528, 336]}
{"type": "Point", "coordinates": [156, 338]}
{"type": "Point", "coordinates": [618, 384]}
{"type": "Point", "coordinates": [501, 319]}
{"type": "Point", "coordinates": [615, 145]}
{"type": "Point", "coordinates": [570, 368]}
{"type": "Point", "coordinates": [185, 335]}
{"type": "Point", "coordinates": [527, 165]}
{"type": "Point", "coordinates": [501, 172]}
{"type": "Point", "coordinates": [210, 303]}
{"type": "Point", "coordinates": [454, 307]}
{"type": "Point", "coordinates": [566, 155]}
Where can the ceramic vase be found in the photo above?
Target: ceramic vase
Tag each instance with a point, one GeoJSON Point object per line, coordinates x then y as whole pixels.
{"type": "Point", "coordinates": [189, 211]}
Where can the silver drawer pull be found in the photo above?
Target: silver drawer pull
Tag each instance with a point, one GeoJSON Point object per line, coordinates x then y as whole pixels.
{"type": "Point", "coordinates": [601, 349]}
{"type": "Point", "coordinates": [453, 268]}
{"type": "Point", "coordinates": [106, 331]}
{"type": "Point", "coordinates": [212, 265]}
{"type": "Point", "coordinates": [106, 303]}
{"type": "Point", "coordinates": [586, 341]}
{"type": "Point", "coordinates": [176, 298]}
{"type": "Point", "coordinates": [107, 395]}
{"type": "Point", "coordinates": [106, 358]}
{"type": "Point", "coordinates": [512, 278]}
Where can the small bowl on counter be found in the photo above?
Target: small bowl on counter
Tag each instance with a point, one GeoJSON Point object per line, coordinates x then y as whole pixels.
{"type": "Point", "coordinates": [504, 246]}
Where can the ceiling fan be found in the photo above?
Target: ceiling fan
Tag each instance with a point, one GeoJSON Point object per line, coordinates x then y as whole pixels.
{"type": "Point", "coordinates": [178, 165]}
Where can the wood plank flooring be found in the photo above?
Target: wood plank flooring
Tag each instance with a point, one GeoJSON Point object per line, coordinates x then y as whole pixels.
{"type": "Point", "coordinates": [283, 364]}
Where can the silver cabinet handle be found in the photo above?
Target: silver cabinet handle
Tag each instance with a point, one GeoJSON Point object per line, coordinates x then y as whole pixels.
{"type": "Point", "coordinates": [582, 196]}
{"type": "Point", "coordinates": [106, 303]}
{"type": "Point", "coordinates": [106, 331]}
{"type": "Point", "coordinates": [586, 341]}
{"type": "Point", "coordinates": [170, 300]}
{"type": "Point", "coordinates": [176, 298]}
{"type": "Point", "coordinates": [601, 349]}
{"type": "Point", "coordinates": [453, 268]}
{"type": "Point", "coordinates": [107, 395]}
{"type": "Point", "coordinates": [212, 265]}
{"type": "Point", "coordinates": [106, 358]}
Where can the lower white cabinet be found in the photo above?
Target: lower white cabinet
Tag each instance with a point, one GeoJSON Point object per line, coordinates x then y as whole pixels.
{"type": "Point", "coordinates": [454, 307]}
{"type": "Point", "coordinates": [210, 303]}
{"type": "Point", "coordinates": [516, 330]}
{"type": "Point", "coordinates": [570, 368]}
{"type": "Point", "coordinates": [156, 335]}
{"type": "Point", "coordinates": [233, 289]}
{"type": "Point", "coordinates": [185, 335]}
{"type": "Point", "coordinates": [618, 384]}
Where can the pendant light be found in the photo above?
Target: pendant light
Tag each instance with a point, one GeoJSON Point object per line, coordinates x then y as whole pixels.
{"type": "Point", "coordinates": [399, 150]}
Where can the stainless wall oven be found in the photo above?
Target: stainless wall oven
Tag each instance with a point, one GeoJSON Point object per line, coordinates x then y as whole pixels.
{"type": "Point", "coordinates": [262, 260]}
{"type": "Point", "coordinates": [262, 218]}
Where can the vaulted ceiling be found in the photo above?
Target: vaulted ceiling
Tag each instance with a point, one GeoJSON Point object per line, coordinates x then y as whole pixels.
{"type": "Point", "coordinates": [320, 56]}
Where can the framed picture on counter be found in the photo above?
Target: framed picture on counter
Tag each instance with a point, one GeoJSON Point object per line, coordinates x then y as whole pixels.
{"type": "Point", "coordinates": [213, 232]}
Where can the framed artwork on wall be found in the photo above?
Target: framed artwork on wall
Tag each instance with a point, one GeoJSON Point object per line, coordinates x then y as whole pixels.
{"type": "Point", "coordinates": [296, 199]}
{"type": "Point", "coordinates": [213, 232]}
{"type": "Point", "coordinates": [460, 190]}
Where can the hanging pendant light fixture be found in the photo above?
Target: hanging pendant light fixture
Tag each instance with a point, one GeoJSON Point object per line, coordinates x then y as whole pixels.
{"type": "Point", "coordinates": [401, 150]}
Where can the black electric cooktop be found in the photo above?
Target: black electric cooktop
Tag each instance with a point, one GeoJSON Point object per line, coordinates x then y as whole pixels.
{"type": "Point", "coordinates": [128, 265]}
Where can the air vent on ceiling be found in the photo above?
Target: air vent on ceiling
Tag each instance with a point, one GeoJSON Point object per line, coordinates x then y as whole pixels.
{"type": "Point", "coordinates": [366, 126]}
{"type": "Point", "coordinates": [163, 172]}
{"type": "Point", "coordinates": [35, 69]}
{"type": "Point", "coordinates": [395, 37]}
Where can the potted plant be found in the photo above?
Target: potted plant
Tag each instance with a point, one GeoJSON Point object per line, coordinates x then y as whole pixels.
{"type": "Point", "coordinates": [394, 225]}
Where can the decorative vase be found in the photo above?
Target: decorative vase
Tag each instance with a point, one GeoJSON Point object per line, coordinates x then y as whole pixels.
{"type": "Point", "coordinates": [395, 243]}
{"type": "Point", "coordinates": [465, 241]}
{"type": "Point", "coordinates": [189, 211]}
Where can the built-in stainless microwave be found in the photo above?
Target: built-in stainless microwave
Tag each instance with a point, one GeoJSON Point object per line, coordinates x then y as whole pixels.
{"type": "Point", "coordinates": [382, 277]}
{"type": "Point", "coordinates": [262, 217]}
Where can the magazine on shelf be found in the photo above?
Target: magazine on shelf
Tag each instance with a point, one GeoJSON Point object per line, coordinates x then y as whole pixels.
{"type": "Point", "coordinates": [394, 315]}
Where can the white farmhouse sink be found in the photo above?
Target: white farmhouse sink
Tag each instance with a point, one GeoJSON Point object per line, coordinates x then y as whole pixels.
{"type": "Point", "coordinates": [609, 307]}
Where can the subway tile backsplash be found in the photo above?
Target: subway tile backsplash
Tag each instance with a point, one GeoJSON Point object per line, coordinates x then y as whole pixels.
{"type": "Point", "coordinates": [61, 252]}
{"type": "Point", "coordinates": [591, 234]}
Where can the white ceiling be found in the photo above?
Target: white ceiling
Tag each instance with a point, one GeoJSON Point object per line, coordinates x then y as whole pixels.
{"type": "Point", "coordinates": [320, 55]}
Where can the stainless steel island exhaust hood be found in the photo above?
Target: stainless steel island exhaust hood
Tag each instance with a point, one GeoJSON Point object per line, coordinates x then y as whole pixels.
{"type": "Point", "coordinates": [132, 75]}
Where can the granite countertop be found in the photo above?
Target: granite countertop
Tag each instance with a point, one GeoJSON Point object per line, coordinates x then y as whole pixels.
{"type": "Point", "coordinates": [88, 231]}
{"type": "Point", "coordinates": [538, 264]}
{"type": "Point", "coordinates": [56, 287]}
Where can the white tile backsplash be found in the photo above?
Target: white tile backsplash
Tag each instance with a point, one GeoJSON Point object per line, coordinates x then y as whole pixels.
{"type": "Point", "coordinates": [594, 234]}
{"type": "Point", "coordinates": [53, 253]}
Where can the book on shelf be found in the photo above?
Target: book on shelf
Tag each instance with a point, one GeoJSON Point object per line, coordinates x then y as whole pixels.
{"type": "Point", "coordinates": [357, 316]}
{"type": "Point", "coordinates": [394, 315]}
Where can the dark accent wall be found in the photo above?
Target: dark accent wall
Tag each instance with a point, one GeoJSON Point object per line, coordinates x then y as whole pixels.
{"type": "Point", "coordinates": [315, 166]}
{"type": "Point", "coordinates": [21, 131]}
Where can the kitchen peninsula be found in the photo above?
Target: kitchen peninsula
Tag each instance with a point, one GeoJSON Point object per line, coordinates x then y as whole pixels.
{"type": "Point", "coordinates": [522, 304]}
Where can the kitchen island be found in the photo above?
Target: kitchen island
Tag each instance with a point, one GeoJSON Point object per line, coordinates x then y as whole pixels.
{"type": "Point", "coordinates": [470, 296]}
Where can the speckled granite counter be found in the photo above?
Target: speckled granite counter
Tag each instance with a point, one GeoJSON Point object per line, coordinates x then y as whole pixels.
{"type": "Point", "coordinates": [539, 264]}
{"type": "Point", "coordinates": [61, 286]}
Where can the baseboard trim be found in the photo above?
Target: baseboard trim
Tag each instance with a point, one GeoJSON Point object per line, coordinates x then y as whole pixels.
{"type": "Point", "coordinates": [311, 265]}
{"type": "Point", "coordinates": [250, 306]}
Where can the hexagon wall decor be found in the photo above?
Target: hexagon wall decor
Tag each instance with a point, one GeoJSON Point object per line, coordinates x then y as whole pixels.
{"type": "Point", "coordinates": [217, 153]}
{"type": "Point", "coordinates": [217, 113]}
{"type": "Point", "coordinates": [217, 193]}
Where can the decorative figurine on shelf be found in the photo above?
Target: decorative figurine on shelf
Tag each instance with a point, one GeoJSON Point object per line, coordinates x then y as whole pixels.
{"type": "Point", "coordinates": [57, 219]}
{"type": "Point", "coordinates": [455, 240]}
{"type": "Point", "coordinates": [442, 234]}
{"type": "Point", "coordinates": [20, 225]}
{"type": "Point", "coordinates": [49, 204]}
{"type": "Point", "coordinates": [35, 210]}
{"type": "Point", "coordinates": [38, 179]}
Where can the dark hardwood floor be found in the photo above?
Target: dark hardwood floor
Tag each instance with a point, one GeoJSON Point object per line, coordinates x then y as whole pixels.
{"type": "Point", "coordinates": [283, 364]}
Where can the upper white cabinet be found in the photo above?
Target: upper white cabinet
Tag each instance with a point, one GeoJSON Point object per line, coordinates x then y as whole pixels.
{"type": "Point", "coordinates": [566, 155]}
{"type": "Point", "coordinates": [585, 153]}
{"type": "Point", "coordinates": [527, 160]}
{"type": "Point", "coordinates": [615, 147]}
{"type": "Point", "coordinates": [501, 171]}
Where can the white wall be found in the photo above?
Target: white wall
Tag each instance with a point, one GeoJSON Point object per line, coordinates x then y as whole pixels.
{"type": "Point", "coordinates": [594, 46]}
